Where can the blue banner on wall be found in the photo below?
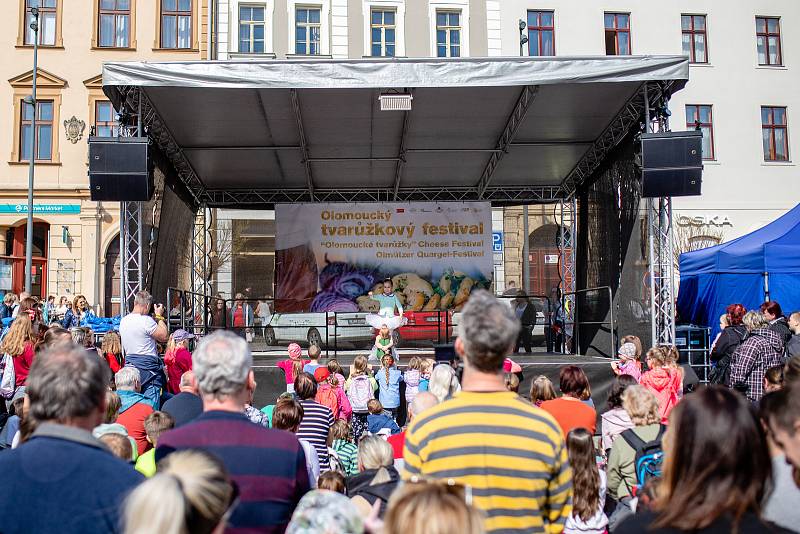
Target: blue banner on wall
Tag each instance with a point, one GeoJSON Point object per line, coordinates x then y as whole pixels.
{"type": "Point", "coordinates": [42, 209]}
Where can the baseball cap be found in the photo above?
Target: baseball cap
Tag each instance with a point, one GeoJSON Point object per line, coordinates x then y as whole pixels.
{"type": "Point", "coordinates": [180, 335]}
{"type": "Point", "coordinates": [321, 374]}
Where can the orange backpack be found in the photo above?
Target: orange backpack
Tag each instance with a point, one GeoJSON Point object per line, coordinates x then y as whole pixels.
{"type": "Point", "coordinates": [327, 397]}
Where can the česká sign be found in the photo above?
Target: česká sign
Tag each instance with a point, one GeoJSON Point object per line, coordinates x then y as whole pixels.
{"type": "Point", "coordinates": [704, 220]}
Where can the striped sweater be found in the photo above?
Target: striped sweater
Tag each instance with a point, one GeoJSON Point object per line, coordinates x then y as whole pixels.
{"type": "Point", "coordinates": [268, 465]}
{"type": "Point", "coordinates": [317, 422]}
{"type": "Point", "coordinates": [511, 453]}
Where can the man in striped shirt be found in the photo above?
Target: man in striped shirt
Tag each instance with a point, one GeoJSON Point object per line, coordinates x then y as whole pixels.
{"type": "Point", "coordinates": [509, 452]}
{"type": "Point", "coordinates": [317, 418]}
{"type": "Point", "coordinates": [268, 465]}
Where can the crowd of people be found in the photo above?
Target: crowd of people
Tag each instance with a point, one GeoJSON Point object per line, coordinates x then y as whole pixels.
{"type": "Point", "coordinates": [142, 434]}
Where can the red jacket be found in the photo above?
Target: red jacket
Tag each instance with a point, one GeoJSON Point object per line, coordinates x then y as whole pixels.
{"type": "Point", "coordinates": [666, 386]}
{"type": "Point", "coordinates": [133, 420]}
{"type": "Point", "coordinates": [22, 364]}
{"type": "Point", "coordinates": [177, 364]}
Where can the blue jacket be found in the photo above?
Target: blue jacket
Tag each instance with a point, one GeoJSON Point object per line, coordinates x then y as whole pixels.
{"type": "Point", "coordinates": [376, 422]}
{"type": "Point", "coordinates": [63, 480]}
{"type": "Point", "coordinates": [129, 398]}
{"type": "Point", "coordinates": [389, 394]}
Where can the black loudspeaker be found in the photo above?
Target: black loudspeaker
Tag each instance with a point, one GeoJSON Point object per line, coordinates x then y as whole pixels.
{"type": "Point", "coordinates": [672, 163]}
{"type": "Point", "coordinates": [120, 169]}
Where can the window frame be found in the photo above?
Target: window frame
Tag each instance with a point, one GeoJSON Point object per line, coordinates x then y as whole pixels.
{"type": "Point", "coordinates": [450, 5]}
{"type": "Point", "coordinates": [539, 28]}
{"type": "Point", "coordinates": [23, 26]}
{"type": "Point", "coordinates": [383, 27]}
{"type": "Point", "coordinates": [113, 124]}
{"type": "Point", "coordinates": [399, 7]}
{"type": "Point", "coordinates": [308, 25]}
{"type": "Point", "coordinates": [131, 14]}
{"type": "Point", "coordinates": [448, 29]}
{"type": "Point", "coordinates": [194, 31]}
{"type": "Point", "coordinates": [616, 30]}
{"type": "Point", "coordinates": [710, 125]}
{"type": "Point", "coordinates": [48, 87]}
{"type": "Point", "coordinates": [692, 33]}
{"type": "Point", "coordinates": [766, 34]}
{"type": "Point", "coordinates": [37, 132]}
{"type": "Point", "coordinates": [771, 126]}
{"type": "Point", "coordinates": [252, 24]}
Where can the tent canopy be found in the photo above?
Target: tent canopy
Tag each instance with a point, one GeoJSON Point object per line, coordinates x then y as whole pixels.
{"type": "Point", "coordinates": [740, 270]}
{"type": "Point", "coordinates": [509, 130]}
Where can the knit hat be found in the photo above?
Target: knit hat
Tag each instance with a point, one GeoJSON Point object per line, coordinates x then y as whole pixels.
{"type": "Point", "coordinates": [321, 374]}
{"type": "Point", "coordinates": [295, 351]}
{"type": "Point", "coordinates": [627, 351]}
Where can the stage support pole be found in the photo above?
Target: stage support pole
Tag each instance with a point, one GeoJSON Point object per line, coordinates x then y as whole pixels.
{"type": "Point", "coordinates": [526, 262]}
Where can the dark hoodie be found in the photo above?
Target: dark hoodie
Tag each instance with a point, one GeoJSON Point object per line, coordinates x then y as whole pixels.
{"type": "Point", "coordinates": [781, 327]}
{"type": "Point", "coordinates": [360, 485]}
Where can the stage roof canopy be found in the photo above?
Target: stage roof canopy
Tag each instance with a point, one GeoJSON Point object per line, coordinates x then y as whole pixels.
{"type": "Point", "coordinates": [508, 130]}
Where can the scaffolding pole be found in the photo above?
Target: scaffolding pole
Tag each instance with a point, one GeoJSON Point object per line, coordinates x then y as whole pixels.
{"type": "Point", "coordinates": [566, 243]}
{"type": "Point", "coordinates": [201, 264]}
{"type": "Point", "coordinates": [131, 233]}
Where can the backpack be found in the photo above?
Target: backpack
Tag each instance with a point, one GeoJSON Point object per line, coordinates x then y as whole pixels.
{"type": "Point", "coordinates": [327, 397]}
{"type": "Point", "coordinates": [360, 393]}
{"type": "Point", "coordinates": [649, 457]}
{"type": "Point", "coordinates": [8, 378]}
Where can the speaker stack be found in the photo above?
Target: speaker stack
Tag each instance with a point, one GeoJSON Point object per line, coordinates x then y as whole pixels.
{"type": "Point", "coordinates": [120, 169]}
{"type": "Point", "coordinates": [672, 164]}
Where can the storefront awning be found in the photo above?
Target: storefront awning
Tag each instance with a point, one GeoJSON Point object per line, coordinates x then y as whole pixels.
{"type": "Point", "coordinates": [508, 130]}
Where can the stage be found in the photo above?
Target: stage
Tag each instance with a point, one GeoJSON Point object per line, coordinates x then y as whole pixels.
{"type": "Point", "coordinates": [271, 382]}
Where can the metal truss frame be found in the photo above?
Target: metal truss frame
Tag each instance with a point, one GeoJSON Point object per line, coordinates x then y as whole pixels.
{"type": "Point", "coordinates": [567, 242]}
{"type": "Point", "coordinates": [131, 253]}
{"type": "Point", "coordinates": [515, 120]}
{"type": "Point", "coordinates": [201, 266]}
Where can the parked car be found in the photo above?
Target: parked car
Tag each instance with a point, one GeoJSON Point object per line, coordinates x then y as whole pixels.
{"type": "Point", "coordinates": [434, 326]}
{"type": "Point", "coordinates": [324, 329]}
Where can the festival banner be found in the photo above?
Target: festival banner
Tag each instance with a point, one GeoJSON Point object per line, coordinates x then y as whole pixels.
{"type": "Point", "coordinates": [328, 257]}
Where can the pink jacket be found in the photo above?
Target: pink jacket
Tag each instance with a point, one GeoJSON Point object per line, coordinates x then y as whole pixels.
{"type": "Point", "coordinates": [666, 386]}
{"type": "Point", "coordinates": [286, 365]}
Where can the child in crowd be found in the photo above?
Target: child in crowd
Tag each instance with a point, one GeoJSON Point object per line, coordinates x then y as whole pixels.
{"type": "Point", "coordinates": [119, 445]}
{"type": "Point", "coordinates": [589, 486]}
{"type": "Point", "coordinates": [425, 369]}
{"type": "Point", "coordinates": [673, 356]}
{"type": "Point", "coordinates": [335, 369]}
{"type": "Point", "coordinates": [389, 378]}
{"type": "Point", "coordinates": [360, 388]}
{"type": "Point", "coordinates": [177, 359]}
{"type": "Point", "coordinates": [412, 378]}
{"type": "Point", "coordinates": [154, 425]}
{"type": "Point", "coordinates": [379, 421]}
{"type": "Point", "coordinates": [270, 408]}
{"type": "Point", "coordinates": [331, 395]}
{"type": "Point", "coordinates": [511, 381]}
{"type": "Point", "coordinates": [332, 481]}
{"type": "Point", "coordinates": [384, 344]}
{"type": "Point", "coordinates": [341, 443]}
{"type": "Point", "coordinates": [661, 381]}
{"type": "Point", "coordinates": [287, 416]}
{"type": "Point", "coordinates": [110, 425]}
{"type": "Point", "coordinates": [293, 366]}
{"type": "Point", "coordinates": [313, 355]}
{"type": "Point", "coordinates": [542, 390]}
{"type": "Point", "coordinates": [112, 351]}
{"type": "Point", "coordinates": [773, 379]}
{"type": "Point", "coordinates": [628, 363]}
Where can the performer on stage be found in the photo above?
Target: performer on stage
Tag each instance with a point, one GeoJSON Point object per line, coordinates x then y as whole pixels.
{"type": "Point", "coordinates": [389, 303]}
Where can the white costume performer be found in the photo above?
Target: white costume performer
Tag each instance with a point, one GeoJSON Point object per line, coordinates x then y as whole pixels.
{"type": "Point", "coordinates": [386, 315]}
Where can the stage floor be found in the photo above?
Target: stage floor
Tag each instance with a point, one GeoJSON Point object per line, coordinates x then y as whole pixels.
{"type": "Point", "coordinates": [271, 382]}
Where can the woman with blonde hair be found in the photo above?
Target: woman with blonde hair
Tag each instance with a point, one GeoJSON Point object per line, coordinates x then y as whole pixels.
{"type": "Point", "coordinates": [444, 382]}
{"type": "Point", "coordinates": [191, 492]}
{"type": "Point", "coordinates": [663, 381]}
{"type": "Point", "coordinates": [435, 507]}
{"type": "Point", "coordinates": [642, 407]}
{"type": "Point", "coordinates": [542, 390]}
{"type": "Point", "coordinates": [76, 314]}
{"type": "Point", "coordinates": [112, 351]}
{"type": "Point", "coordinates": [377, 478]}
{"type": "Point", "coordinates": [19, 344]}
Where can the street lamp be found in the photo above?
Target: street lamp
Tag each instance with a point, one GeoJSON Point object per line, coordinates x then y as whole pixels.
{"type": "Point", "coordinates": [526, 265]}
{"type": "Point", "coordinates": [31, 101]}
{"type": "Point", "coordinates": [523, 39]}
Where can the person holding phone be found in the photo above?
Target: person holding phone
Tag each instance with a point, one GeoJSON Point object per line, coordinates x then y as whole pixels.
{"type": "Point", "coordinates": [140, 334]}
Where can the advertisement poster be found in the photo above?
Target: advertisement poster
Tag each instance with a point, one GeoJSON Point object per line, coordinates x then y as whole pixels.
{"type": "Point", "coordinates": [328, 257]}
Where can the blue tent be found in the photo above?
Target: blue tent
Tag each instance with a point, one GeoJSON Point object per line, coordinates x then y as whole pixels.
{"type": "Point", "coordinates": [740, 271]}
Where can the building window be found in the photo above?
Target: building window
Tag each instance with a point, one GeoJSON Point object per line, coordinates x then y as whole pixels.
{"type": "Point", "coordinates": [48, 17]}
{"type": "Point", "coordinates": [448, 33]}
{"type": "Point", "coordinates": [618, 34]}
{"type": "Point", "coordinates": [176, 24]}
{"type": "Point", "coordinates": [774, 134]}
{"type": "Point", "coordinates": [105, 119]}
{"type": "Point", "coordinates": [383, 30]}
{"type": "Point", "coordinates": [695, 44]}
{"type": "Point", "coordinates": [541, 33]}
{"type": "Point", "coordinates": [44, 131]}
{"type": "Point", "coordinates": [698, 117]}
{"type": "Point", "coordinates": [251, 29]}
{"type": "Point", "coordinates": [768, 40]}
{"type": "Point", "coordinates": [307, 31]}
{"type": "Point", "coordinates": [114, 26]}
